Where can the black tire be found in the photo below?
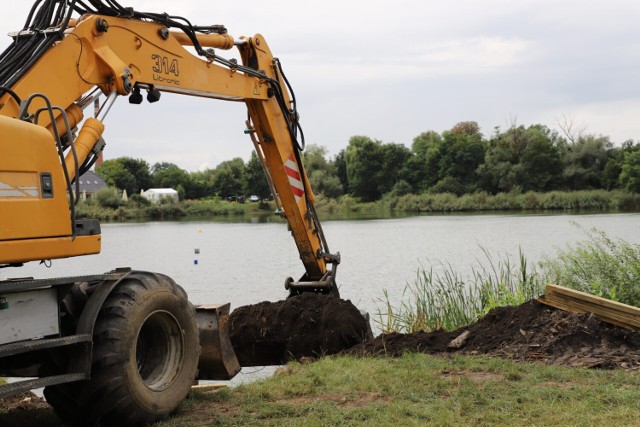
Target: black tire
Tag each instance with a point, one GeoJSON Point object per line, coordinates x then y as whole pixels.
{"type": "Point", "coordinates": [145, 356]}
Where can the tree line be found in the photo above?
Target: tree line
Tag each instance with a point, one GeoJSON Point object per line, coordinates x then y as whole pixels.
{"type": "Point", "coordinates": [459, 161]}
{"type": "Point", "coordinates": [230, 178]}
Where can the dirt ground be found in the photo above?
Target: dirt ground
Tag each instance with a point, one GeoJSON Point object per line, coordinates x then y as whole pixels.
{"type": "Point", "coordinates": [531, 331]}
{"type": "Point", "coordinates": [26, 409]}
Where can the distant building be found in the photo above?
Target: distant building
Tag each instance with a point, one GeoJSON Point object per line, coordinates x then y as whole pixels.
{"type": "Point", "coordinates": [90, 183]}
{"type": "Point", "coordinates": [156, 194]}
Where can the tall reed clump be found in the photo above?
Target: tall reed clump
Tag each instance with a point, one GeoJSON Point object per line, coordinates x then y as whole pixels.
{"type": "Point", "coordinates": [600, 265]}
{"type": "Point", "coordinates": [445, 300]}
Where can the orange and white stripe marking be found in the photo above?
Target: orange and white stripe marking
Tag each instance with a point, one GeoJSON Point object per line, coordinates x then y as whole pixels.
{"type": "Point", "coordinates": [293, 173]}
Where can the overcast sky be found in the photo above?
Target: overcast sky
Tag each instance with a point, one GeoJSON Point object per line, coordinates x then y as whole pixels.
{"type": "Point", "coordinates": [393, 69]}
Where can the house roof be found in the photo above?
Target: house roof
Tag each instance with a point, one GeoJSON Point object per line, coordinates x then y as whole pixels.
{"type": "Point", "coordinates": [90, 182]}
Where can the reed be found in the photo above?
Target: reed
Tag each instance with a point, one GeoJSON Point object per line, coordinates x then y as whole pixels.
{"type": "Point", "coordinates": [448, 300]}
{"type": "Point", "coordinates": [599, 265]}
{"type": "Point", "coordinates": [592, 200]}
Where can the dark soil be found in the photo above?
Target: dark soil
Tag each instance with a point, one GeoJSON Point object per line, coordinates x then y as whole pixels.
{"type": "Point", "coordinates": [531, 331]}
{"type": "Point", "coordinates": [305, 326]}
{"type": "Point", "coordinates": [26, 409]}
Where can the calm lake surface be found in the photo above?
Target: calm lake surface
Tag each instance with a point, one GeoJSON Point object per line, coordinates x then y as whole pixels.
{"type": "Point", "coordinates": [247, 262]}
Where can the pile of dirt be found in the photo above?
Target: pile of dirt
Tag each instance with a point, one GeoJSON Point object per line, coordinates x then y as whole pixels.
{"type": "Point", "coordinates": [305, 326]}
{"type": "Point", "coordinates": [26, 409]}
{"type": "Point", "coordinates": [531, 331]}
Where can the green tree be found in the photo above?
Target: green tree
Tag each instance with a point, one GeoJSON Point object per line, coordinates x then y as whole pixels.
{"type": "Point", "coordinates": [200, 184]}
{"type": "Point", "coordinates": [613, 168]}
{"type": "Point", "coordinates": [140, 170]}
{"type": "Point", "coordinates": [451, 159]}
{"type": "Point", "coordinates": [126, 173]}
{"type": "Point", "coordinates": [585, 159]}
{"type": "Point", "coordinates": [630, 174]}
{"type": "Point", "coordinates": [116, 175]}
{"type": "Point", "coordinates": [169, 175]}
{"type": "Point", "coordinates": [255, 181]}
{"type": "Point", "coordinates": [340, 165]}
{"type": "Point", "coordinates": [426, 148]}
{"type": "Point", "coordinates": [229, 179]}
{"type": "Point", "coordinates": [322, 182]}
{"type": "Point", "coordinates": [324, 175]}
{"type": "Point", "coordinates": [522, 158]}
{"type": "Point", "coordinates": [463, 153]}
{"type": "Point", "coordinates": [395, 166]}
{"type": "Point", "coordinates": [314, 158]}
{"type": "Point", "coordinates": [364, 160]}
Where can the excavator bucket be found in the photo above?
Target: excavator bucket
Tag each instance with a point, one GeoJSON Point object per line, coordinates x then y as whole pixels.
{"type": "Point", "coordinates": [217, 361]}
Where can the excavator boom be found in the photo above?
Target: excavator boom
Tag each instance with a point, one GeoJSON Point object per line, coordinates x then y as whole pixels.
{"type": "Point", "coordinates": [120, 57]}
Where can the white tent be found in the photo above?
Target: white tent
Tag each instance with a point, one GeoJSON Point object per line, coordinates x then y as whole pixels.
{"type": "Point", "coordinates": [155, 194]}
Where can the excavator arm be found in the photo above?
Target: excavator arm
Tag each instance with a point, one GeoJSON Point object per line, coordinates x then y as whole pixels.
{"type": "Point", "coordinates": [115, 53]}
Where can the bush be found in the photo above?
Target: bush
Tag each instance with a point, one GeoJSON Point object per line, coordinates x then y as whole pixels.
{"type": "Point", "coordinates": [137, 200]}
{"type": "Point", "coordinates": [108, 197]}
{"type": "Point", "coordinates": [600, 266]}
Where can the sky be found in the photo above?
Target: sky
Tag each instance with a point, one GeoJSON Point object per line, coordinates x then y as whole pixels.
{"type": "Point", "coordinates": [391, 70]}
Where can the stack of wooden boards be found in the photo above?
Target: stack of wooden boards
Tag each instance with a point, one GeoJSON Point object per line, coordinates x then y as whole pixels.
{"type": "Point", "coordinates": [579, 302]}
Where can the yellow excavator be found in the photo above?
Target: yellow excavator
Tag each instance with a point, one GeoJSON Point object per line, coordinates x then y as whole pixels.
{"type": "Point", "coordinates": [123, 347]}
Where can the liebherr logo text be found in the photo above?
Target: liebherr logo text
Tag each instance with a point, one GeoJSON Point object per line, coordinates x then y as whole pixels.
{"type": "Point", "coordinates": [165, 70]}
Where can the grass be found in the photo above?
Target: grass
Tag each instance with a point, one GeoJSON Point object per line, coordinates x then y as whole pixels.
{"type": "Point", "coordinates": [417, 390]}
{"type": "Point", "coordinates": [412, 390]}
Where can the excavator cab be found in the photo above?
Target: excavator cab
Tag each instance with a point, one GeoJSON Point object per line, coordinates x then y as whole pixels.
{"type": "Point", "coordinates": [37, 221]}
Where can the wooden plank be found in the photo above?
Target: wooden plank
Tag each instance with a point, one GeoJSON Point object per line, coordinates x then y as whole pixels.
{"type": "Point", "coordinates": [603, 313]}
{"type": "Point", "coordinates": [208, 387]}
{"type": "Point", "coordinates": [555, 289]}
{"type": "Point", "coordinates": [575, 301]}
{"type": "Point", "coordinates": [569, 308]}
{"type": "Point", "coordinates": [592, 307]}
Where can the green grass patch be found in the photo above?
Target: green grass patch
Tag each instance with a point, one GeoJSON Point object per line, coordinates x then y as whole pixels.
{"type": "Point", "coordinates": [416, 390]}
